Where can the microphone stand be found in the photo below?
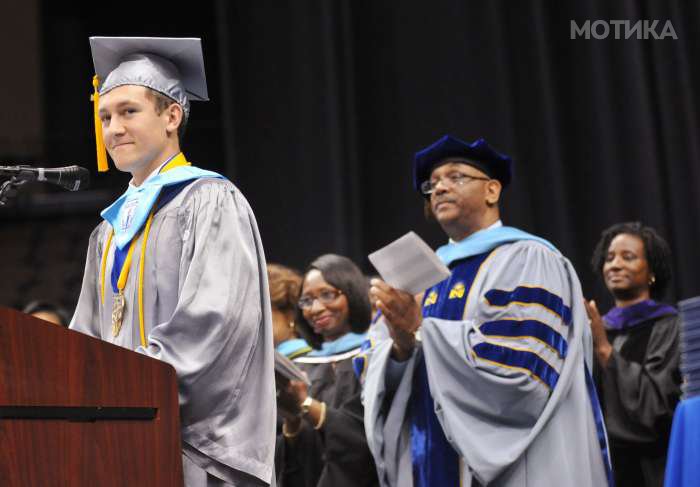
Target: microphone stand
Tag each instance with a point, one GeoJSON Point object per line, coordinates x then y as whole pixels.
{"type": "Point", "coordinates": [9, 188]}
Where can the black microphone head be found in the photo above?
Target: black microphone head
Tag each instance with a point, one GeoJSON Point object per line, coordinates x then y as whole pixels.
{"type": "Point", "coordinates": [82, 179]}
{"type": "Point", "coordinates": [71, 178]}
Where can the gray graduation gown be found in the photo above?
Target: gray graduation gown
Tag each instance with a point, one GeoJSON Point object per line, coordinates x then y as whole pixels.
{"type": "Point", "coordinates": [207, 313]}
{"type": "Point", "coordinates": [508, 427]}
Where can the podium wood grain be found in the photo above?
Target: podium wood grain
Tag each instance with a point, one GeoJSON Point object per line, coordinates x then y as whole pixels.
{"type": "Point", "coordinates": [42, 364]}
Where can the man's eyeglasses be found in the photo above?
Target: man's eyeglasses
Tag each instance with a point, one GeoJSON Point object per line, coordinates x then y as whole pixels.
{"type": "Point", "coordinates": [452, 179]}
{"type": "Point", "coordinates": [325, 297]}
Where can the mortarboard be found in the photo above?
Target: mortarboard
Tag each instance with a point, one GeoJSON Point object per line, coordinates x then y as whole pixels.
{"type": "Point", "coordinates": [171, 66]}
{"type": "Point", "coordinates": [478, 154]}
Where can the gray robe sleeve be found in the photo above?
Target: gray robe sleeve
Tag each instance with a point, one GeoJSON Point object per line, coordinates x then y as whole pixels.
{"type": "Point", "coordinates": [492, 409]}
{"type": "Point", "coordinates": [86, 316]}
{"type": "Point", "coordinates": [386, 395]}
{"type": "Point", "coordinates": [219, 336]}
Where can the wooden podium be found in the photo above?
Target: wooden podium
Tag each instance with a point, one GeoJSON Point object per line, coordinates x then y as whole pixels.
{"type": "Point", "coordinates": [77, 411]}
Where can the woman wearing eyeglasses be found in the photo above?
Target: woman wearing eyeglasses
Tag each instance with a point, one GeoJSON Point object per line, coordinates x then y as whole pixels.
{"type": "Point", "coordinates": [323, 433]}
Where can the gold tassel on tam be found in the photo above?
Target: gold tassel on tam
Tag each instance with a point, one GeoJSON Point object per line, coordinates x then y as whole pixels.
{"type": "Point", "coordinates": [102, 164]}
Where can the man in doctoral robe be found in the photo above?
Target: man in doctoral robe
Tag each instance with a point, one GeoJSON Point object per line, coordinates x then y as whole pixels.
{"type": "Point", "coordinates": [176, 270]}
{"type": "Point", "coordinates": [486, 381]}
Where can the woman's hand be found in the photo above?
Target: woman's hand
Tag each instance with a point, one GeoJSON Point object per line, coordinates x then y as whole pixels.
{"type": "Point", "coordinates": [289, 401]}
{"type": "Point", "coordinates": [290, 397]}
{"type": "Point", "coordinates": [601, 344]}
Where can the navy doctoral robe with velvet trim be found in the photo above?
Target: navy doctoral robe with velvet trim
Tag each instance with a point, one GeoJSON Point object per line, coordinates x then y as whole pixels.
{"type": "Point", "coordinates": [498, 390]}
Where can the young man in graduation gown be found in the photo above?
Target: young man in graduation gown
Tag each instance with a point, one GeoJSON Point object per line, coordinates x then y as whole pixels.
{"type": "Point", "coordinates": [486, 381]}
{"type": "Point", "coordinates": [176, 270]}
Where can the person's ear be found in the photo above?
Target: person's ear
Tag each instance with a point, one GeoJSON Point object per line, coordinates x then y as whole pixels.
{"type": "Point", "coordinates": [493, 192]}
{"type": "Point", "coordinates": [175, 115]}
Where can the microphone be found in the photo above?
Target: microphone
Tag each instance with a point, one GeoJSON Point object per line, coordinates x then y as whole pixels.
{"type": "Point", "coordinates": [71, 178]}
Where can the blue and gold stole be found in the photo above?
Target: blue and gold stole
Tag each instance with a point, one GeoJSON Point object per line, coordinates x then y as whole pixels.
{"type": "Point", "coordinates": [128, 214]}
{"type": "Point", "coordinates": [435, 462]}
{"type": "Point", "coordinates": [132, 213]}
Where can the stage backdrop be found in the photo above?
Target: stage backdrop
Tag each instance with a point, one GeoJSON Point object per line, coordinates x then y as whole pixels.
{"type": "Point", "coordinates": [318, 106]}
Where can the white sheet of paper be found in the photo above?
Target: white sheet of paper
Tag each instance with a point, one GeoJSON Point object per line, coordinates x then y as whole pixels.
{"type": "Point", "coordinates": [409, 264]}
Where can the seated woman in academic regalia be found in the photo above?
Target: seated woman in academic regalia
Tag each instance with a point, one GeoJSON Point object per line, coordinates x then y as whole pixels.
{"type": "Point", "coordinates": [323, 441]}
{"type": "Point", "coordinates": [285, 287]}
{"type": "Point", "coordinates": [636, 345]}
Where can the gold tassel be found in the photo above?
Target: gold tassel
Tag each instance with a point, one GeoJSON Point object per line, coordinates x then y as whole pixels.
{"type": "Point", "coordinates": [102, 164]}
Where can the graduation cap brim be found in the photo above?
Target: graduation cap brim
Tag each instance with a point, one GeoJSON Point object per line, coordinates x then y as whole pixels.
{"type": "Point", "coordinates": [184, 53]}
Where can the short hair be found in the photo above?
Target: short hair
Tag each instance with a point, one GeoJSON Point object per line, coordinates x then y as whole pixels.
{"type": "Point", "coordinates": [656, 250]}
{"type": "Point", "coordinates": [161, 102]}
{"type": "Point", "coordinates": [285, 287]}
{"type": "Point", "coordinates": [38, 306]}
{"type": "Point", "coordinates": [342, 273]}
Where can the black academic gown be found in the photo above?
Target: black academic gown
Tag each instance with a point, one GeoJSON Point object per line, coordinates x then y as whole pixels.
{"type": "Point", "coordinates": [336, 455]}
{"type": "Point", "coordinates": [639, 390]}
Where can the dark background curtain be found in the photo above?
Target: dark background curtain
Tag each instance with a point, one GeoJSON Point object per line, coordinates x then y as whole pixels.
{"type": "Point", "coordinates": [318, 106]}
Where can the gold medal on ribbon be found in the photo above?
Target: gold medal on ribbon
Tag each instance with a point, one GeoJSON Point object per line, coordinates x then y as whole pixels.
{"type": "Point", "coordinates": [119, 301]}
{"type": "Point", "coordinates": [118, 312]}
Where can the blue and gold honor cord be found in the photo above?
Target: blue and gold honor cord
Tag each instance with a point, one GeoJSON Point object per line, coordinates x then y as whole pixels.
{"type": "Point", "coordinates": [119, 300]}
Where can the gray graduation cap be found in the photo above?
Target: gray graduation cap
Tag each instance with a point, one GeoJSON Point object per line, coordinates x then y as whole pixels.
{"type": "Point", "coordinates": [171, 66]}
